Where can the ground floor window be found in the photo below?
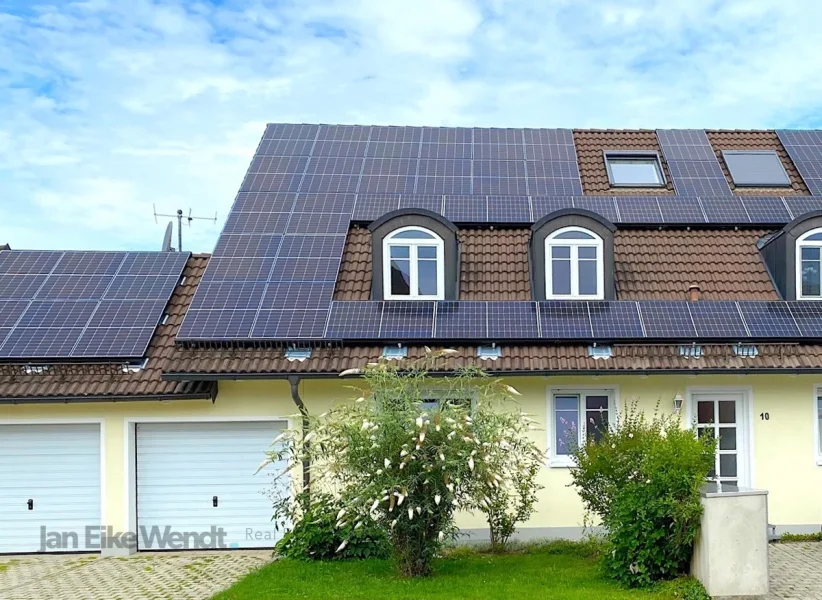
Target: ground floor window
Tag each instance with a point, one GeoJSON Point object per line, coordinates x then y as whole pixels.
{"type": "Point", "coordinates": [576, 416]}
{"type": "Point", "coordinates": [818, 421]}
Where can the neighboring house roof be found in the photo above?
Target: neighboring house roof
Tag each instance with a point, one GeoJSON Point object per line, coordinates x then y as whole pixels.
{"type": "Point", "coordinates": [90, 381]}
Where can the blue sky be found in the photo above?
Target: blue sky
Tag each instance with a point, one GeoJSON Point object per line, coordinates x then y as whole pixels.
{"type": "Point", "coordinates": [110, 106]}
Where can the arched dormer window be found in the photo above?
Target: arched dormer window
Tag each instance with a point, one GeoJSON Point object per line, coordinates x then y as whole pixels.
{"type": "Point", "coordinates": [809, 265]}
{"type": "Point", "coordinates": [413, 265]}
{"type": "Point", "coordinates": [572, 256]}
{"type": "Point", "coordinates": [574, 265]}
{"type": "Point", "coordinates": [415, 256]}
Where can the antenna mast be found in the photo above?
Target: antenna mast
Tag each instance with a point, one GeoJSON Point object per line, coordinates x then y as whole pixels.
{"type": "Point", "coordinates": [179, 216]}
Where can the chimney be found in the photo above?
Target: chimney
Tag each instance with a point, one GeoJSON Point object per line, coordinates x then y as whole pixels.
{"type": "Point", "coordinates": [694, 292]}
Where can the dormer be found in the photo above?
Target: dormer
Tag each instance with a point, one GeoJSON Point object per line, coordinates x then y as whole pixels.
{"type": "Point", "coordinates": [793, 256]}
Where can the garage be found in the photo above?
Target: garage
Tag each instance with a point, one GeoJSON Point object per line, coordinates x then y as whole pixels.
{"type": "Point", "coordinates": [195, 476]}
{"type": "Point", "coordinates": [49, 487]}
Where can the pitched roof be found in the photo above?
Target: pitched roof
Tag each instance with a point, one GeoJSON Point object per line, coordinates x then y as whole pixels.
{"type": "Point", "coordinates": [91, 381]}
{"type": "Point", "coordinates": [649, 264]}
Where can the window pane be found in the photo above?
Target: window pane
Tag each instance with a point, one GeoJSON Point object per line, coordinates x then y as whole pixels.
{"type": "Point", "coordinates": [810, 278]}
{"type": "Point", "coordinates": [587, 277]}
{"type": "Point", "coordinates": [727, 465]}
{"type": "Point", "coordinates": [400, 251]}
{"type": "Point", "coordinates": [596, 402]}
{"type": "Point", "coordinates": [566, 402]}
{"type": "Point", "coordinates": [727, 411]}
{"type": "Point", "coordinates": [707, 432]}
{"type": "Point", "coordinates": [573, 235]}
{"type": "Point", "coordinates": [427, 252]}
{"type": "Point", "coordinates": [587, 252]}
{"type": "Point", "coordinates": [810, 253]}
{"type": "Point", "coordinates": [413, 235]}
{"type": "Point", "coordinates": [816, 237]}
{"type": "Point", "coordinates": [560, 252]}
{"type": "Point", "coordinates": [561, 277]}
{"type": "Point", "coordinates": [566, 425]}
{"type": "Point", "coordinates": [727, 438]}
{"type": "Point", "coordinates": [596, 424]}
{"type": "Point", "coordinates": [427, 277]}
{"type": "Point", "coordinates": [626, 171]}
{"type": "Point", "coordinates": [819, 413]}
{"type": "Point", "coordinates": [400, 277]}
{"type": "Point", "coordinates": [705, 412]}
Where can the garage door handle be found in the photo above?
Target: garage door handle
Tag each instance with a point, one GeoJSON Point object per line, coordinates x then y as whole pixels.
{"type": "Point", "coordinates": [30, 504]}
{"type": "Point", "coordinates": [213, 501]}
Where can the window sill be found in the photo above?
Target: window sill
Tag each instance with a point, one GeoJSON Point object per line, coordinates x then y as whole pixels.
{"type": "Point", "coordinates": [819, 461]}
{"type": "Point", "coordinates": [559, 463]}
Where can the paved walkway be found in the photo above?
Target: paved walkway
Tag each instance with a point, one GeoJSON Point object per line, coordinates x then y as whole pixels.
{"type": "Point", "coordinates": [796, 571]}
{"type": "Point", "coordinates": [149, 576]}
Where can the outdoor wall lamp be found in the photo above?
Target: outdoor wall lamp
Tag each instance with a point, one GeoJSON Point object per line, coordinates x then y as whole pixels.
{"type": "Point", "coordinates": [677, 403]}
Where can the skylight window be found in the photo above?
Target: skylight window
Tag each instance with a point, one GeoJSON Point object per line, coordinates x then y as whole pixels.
{"type": "Point", "coordinates": [756, 168]}
{"type": "Point", "coordinates": [632, 169]}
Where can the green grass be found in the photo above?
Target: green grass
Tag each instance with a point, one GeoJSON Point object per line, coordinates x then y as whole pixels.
{"type": "Point", "coordinates": [543, 572]}
{"type": "Point", "coordinates": [787, 538]}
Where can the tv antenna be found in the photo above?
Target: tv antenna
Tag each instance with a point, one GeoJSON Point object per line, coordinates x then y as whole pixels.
{"type": "Point", "coordinates": [189, 218]}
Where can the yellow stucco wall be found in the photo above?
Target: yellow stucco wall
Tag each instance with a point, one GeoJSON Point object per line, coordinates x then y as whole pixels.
{"type": "Point", "coordinates": [784, 459]}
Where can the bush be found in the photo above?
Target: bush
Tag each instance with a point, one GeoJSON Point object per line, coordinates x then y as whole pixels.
{"type": "Point", "coordinates": [684, 588]}
{"type": "Point", "coordinates": [394, 464]}
{"type": "Point", "coordinates": [315, 535]}
{"type": "Point", "coordinates": [642, 479]}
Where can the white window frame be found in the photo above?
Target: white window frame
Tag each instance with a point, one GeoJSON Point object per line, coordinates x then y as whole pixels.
{"type": "Point", "coordinates": [817, 443]}
{"type": "Point", "coordinates": [803, 243]}
{"type": "Point", "coordinates": [551, 242]}
{"type": "Point", "coordinates": [612, 391]}
{"type": "Point", "coordinates": [390, 241]}
{"type": "Point", "coordinates": [616, 156]}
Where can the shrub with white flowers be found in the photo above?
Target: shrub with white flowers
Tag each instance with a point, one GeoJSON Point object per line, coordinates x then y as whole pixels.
{"type": "Point", "coordinates": [407, 467]}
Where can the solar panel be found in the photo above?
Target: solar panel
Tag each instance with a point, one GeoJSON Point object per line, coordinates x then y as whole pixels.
{"type": "Point", "coordinates": [467, 209]}
{"type": "Point", "coordinates": [133, 287]}
{"type": "Point", "coordinates": [229, 295]}
{"type": "Point", "coordinates": [808, 317]}
{"type": "Point", "coordinates": [681, 209]}
{"type": "Point", "coordinates": [324, 203]}
{"type": "Point", "coordinates": [446, 150]}
{"type": "Point", "coordinates": [372, 207]}
{"type": "Point", "coordinates": [666, 319]}
{"type": "Point", "coordinates": [766, 209]}
{"type": "Point", "coordinates": [305, 269]}
{"type": "Point", "coordinates": [407, 320]}
{"type": "Point", "coordinates": [127, 313]}
{"type": "Point", "coordinates": [554, 187]}
{"type": "Point", "coordinates": [312, 246]}
{"type": "Point", "coordinates": [278, 164]}
{"type": "Point", "coordinates": [611, 320]}
{"type": "Point", "coordinates": [725, 210]}
{"type": "Point", "coordinates": [247, 246]}
{"type": "Point", "coordinates": [288, 131]}
{"type": "Point", "coordinates": [10, 312]}
{"type": "Point", "coordinates": [388, 184]}
{"type": "Point", "coordinates": [40, 342]}
{"type": "Point", "coordinates": [354, 320]}
{"type": "Point", "coordinates": [512, 320]}
{"type": "Point", "coordinates": [445, 168]}
{"type": "Point", "coordinates": [153, 263]}
{"type": "Point", "coordinates": [769, 319]}
{"type": "Point", "coordinates": [542, 206]}
{"type": "Point", "coordinates": [443, 185]}
{"type": "Point", "coordinates": [638, 209]}
{"type": "Point", "coordinates": [339, 148]}
{"type": "Point", "coordinates": [698, 178]}
{"type": "Point", "coordinates": [249, 223]}
{"type": "Point", "coordinates": [290, 324]}
{"type": "Point", "coordinates": [603, 205]}
{"type": "Point", "coordinates": [800, 205]}
{"type": "Point", "coordinates": [277, 182]}
{"type": "Point", "coordinates": [509, 209]}
{"type": "Point", "coordinates": [330, 183]}
{"type": "Point", "coordinates": [58, 313]}
{"type": "Point", "coordinates": [302, 223]}
{"type": "Point", "coordinates": [285, 147]}
{"type": "Point", "coordinates": [261, 202]}
{"type": "Point", "coordinates": [344, 132]}
{"type": "Point", "coordinates": [89, 263]}
{"type": "Point", "coordinates": [74, 287]}
{"type": "Point", "coordinates": [113, 342]}
{"type": "Point", "coordinates": [461, 320]}
{"type": "Point", "coordinates": [28, 262]}
{"type": "Point", "coordinates": [447, 135]}
{"type": "Point", "coordinates": [394, 133]}
{"type": "Point", "coordinates": [303, 295]}
{"type": "Point", "coordinates": [564, 320]}
{"type": "Point", "coordinates": [498, 151]}
{"type": "Point", "coordinates": [718, 319]}
{"type": "Point", "coordinates": [685, 144]}
{"type": "Point", "coordinates": [14, 287]}
{"type": "Point", "coordinates": [217, 324]}
{"type": "Point", "coordinates": [434, 203]}
{"type": "Point", "coordinates": [500, 186]}
{"type": "Point", "coordinates": [237, 269]}
{"type": "Point", "coordinates": [805, 149]}
{"type": "Point", "coordinates": [811, 172]}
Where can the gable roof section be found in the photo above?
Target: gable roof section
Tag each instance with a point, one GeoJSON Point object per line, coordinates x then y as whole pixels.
{"type": "Point", "coordinates": [649, 264]}
{"type": "Point", "coordinates": [89, 381]}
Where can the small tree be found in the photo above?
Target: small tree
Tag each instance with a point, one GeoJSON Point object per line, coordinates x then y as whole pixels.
{"type": "Point", "coordinates": [392, 463]}
{"type": "Point", "coordinates": [642, 478]}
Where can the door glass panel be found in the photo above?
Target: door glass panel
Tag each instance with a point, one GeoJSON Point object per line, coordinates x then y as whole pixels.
{"type": "Point", "coordinates": [727, 465]}
{"type": "Point", "coordinates": [427, 277]}
{"type": "Point", "coordinates": [705, 412]}
{"type": "Point", "coordinates": [727, 438]}
{"type": "Point", "coordinates": [702, 432]}
{"type": "Point", "coordinates": [727, 411]}
{"type": "Point", "coordinates": [733, 482]}
{"type": "Point", "coordinates": [400, 277]}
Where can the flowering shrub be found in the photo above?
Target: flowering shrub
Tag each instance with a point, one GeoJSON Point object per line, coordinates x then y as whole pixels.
{"type": "Point", "coordinates": [642, 478]}
{"type": "Point", "coordinates": [403, 468]}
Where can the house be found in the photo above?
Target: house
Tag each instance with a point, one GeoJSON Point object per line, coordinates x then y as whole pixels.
{"type": "Point", "coordinates": [588, 268]}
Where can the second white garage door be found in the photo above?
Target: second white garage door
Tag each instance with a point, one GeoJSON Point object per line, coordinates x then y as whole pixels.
{"type": "Point", "coordinates": [192, 476]}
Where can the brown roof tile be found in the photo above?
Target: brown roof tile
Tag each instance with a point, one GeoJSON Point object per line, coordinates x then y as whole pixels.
{"type": "Point", "coordinates": [650, 265]}
{"type": "Point", "coordinates": [591, 143]}
{"type": "Point", "coordinates": [756, 140]}
{"type": "Point", "coordinates": [86, 381]}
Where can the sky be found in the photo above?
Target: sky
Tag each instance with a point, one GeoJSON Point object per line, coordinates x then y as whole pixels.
{"type": "Point", "coordinates": [109, 108]}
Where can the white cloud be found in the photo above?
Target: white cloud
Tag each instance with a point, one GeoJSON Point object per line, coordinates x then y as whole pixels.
{"type": "Point", "coordinates": [108, 107]}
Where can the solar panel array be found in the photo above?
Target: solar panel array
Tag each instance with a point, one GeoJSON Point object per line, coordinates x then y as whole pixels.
{"type": "Point", "coordinates": [56, 304]}
{"type": "Point", "coordinates": [693, 165]}
{"type": "Point", "coordinates": [805, 149]}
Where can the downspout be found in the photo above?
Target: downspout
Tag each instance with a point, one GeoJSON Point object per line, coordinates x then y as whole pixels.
{"type": "Point", "coordinates": [294, 381]}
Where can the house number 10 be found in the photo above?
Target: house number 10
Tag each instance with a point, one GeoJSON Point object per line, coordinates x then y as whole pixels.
{"type": "Point", "coordinates": [765, 416]}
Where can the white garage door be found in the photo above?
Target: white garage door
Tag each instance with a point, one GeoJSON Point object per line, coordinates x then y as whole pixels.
{"type": "Point", "coordinates": [49, 482]}
{"type": "Point", "coordinates": [195, 476]}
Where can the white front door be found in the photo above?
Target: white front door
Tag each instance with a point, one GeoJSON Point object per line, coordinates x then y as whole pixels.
{"type": "Point", "coordinates": [723, 415]}
{"type": "Point", "coordinates": [195, 476]}
{"type": "Point", "coordinates": [49, 488]}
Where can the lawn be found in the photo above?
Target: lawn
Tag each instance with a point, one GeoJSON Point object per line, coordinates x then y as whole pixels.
{"type": "Point", "coordinates": [540, 573]}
